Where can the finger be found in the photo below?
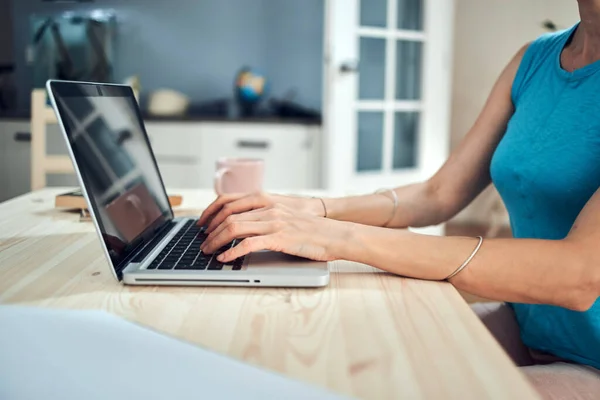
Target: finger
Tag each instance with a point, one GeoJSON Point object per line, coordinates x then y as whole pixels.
{"type": "Point", "coordinates": [247, 246]}
{"type": "Point", "coordinates": [211, 209]}
{"type": "Point", "coordinates": [242, 213]}
{"type": "Point", "coordinates": [249, 216]}
{"type": "Point", "coordinates": [227, 224]}
{"type": "Point", "coordinates": [260, 214]}
{"type": "Point", "coordinates": [215, 206]}
{"type": "Point", "coordinates": [236, 207]}
{"type": "Point", "coordinates": [237, 230]}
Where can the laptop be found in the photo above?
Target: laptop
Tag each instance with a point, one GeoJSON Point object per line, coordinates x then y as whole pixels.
{"type": "Point", "coordinates": [142, 240]}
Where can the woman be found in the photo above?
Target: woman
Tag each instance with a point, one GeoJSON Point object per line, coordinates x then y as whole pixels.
{"type": "Point", "coordinates": [538, 140]}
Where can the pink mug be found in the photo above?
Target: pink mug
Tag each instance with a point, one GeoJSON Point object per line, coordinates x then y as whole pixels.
{"type": "Point", "coordinates": [239, 175]}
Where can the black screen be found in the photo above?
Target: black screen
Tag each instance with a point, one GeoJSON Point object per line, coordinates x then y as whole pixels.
{"type": "Point", "coordinates": [116, 164]}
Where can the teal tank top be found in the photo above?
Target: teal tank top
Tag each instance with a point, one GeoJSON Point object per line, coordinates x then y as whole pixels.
{"type": "Point", "coordinates": [546, 167]}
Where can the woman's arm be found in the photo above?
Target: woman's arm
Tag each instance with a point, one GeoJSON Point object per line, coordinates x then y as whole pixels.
{"type": "Point", "coordinates": [563, 272]}
{"type": "Point", "coordinates": [463, 176]}
{"type": "Point", "coordinates": [560, 272]}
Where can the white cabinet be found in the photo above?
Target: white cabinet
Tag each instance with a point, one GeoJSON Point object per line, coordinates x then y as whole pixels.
{"type": "Point", "coordinates": [15, 158]}
{"type": "Point", "coordinates": [288, 151]}
{"type": "Point", "coordinates": [175, 140]}
{"type": "Point", "coordinates": [186, 152]}
{"type": "Point", "coordinates": [177, 148]}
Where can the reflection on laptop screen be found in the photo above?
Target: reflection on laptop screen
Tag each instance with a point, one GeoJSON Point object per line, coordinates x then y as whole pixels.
{"type": "Point", "coordinates": [115, 163]}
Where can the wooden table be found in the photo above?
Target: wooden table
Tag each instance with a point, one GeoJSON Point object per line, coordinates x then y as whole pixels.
{"type": "Point", "coordinates": [369, 334]}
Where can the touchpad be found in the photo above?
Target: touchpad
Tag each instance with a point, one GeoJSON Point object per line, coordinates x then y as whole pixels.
{"type": "Point", "coordinates": [272, 257]}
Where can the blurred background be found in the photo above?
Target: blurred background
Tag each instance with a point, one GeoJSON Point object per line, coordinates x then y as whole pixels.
{"type": "Point", "coordinates": [345, 95]}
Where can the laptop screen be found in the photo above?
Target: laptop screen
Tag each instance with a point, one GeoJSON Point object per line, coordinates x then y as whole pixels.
{"type": "Point", "coordinates": [115, 162]}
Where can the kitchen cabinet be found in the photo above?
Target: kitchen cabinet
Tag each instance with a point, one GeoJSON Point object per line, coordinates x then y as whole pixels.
{"type": "Point", "coordinates": [176, 147]}
{"type": "Point", "coordinates": [15, 158]}
{"type": "Point", "coordinates": [290, 152]}
{"type": "Point", "coordinates": [186, 153]}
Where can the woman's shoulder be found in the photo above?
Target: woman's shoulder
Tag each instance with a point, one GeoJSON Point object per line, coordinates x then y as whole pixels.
{"type": "Point", "coordinates": [544, 43]}
{"type": "Point", "coordinates": [547, 45]}
{"type": "Point", "coordinates": [532, 57]}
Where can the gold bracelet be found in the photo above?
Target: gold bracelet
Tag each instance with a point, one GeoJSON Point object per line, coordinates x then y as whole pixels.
{"type": "Point", "coordinates": [394, 199]}
{"type": "Point", "coordinates": [468, 260]}
{"type": "Point", "coordinates": [324, 206]}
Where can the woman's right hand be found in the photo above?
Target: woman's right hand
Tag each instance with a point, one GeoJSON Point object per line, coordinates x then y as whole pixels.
{"type": "Point", "coordinates": [230, 204]}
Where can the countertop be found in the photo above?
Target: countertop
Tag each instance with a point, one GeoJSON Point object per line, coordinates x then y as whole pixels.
{"type": "Point", "coordinates": [25, 115]}
{"type": "Point", "coordinates": [369, 334]}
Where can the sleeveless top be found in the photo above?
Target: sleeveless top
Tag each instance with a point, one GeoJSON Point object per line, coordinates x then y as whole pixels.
{"type": "Point", "coordinates": [546, 167]}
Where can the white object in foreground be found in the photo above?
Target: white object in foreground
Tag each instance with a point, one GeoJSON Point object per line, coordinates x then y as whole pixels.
{"type": "Point", "coordinates": [55, 354]}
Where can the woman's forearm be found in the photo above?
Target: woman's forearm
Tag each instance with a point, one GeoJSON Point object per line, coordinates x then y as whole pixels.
{"type": "Point", "coordinates": [516, 270]}
{"type": "Point", "coordinates": [418, 205]}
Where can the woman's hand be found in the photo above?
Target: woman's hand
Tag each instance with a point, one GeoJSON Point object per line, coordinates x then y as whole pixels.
{"type": "Point", "coordinates": [280, 228]}
{"type": "Point", "coordinates": [231, 204]}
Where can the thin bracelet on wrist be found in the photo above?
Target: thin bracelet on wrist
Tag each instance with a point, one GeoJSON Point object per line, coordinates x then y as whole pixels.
{"type": "Point", "coordinates": [394, 199]}
{"type": "Point", "coordinates": [324, 206]}
{"type": "Point", "coordinates": [468, 260]}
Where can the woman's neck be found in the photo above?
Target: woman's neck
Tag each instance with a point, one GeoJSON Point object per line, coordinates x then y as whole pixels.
{"type": "Point", "coordinates": [585, 45]}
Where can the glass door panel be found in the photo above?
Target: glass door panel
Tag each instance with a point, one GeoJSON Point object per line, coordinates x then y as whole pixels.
{"type": "Point", "coordinates": [406, 140]}
{"type": "Point", "coordinates": [370, 141]}
{"type": "Point", "coordinates": [373, 13]}
{"type": "Point", "coordinates": [371, 78]}
{"type": "Point", "coordinates": [408, 69]}
{"type": "Point", "coordinates": [410, 15]}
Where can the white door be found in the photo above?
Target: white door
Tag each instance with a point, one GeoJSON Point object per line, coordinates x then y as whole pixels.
{"type": "Point", "coordinates": [387, 91]}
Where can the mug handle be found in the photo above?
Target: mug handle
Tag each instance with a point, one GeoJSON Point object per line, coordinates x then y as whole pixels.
{"type": "Point", "coordinates": [219, 180]}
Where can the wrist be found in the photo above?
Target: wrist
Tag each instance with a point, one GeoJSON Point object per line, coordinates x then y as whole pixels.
{"type": "Point", "coordinates": [344, 241]}
{"type": "Point", "coordinates": [314, 206]}
{"type": "Point", "coordinates": [366, 244]}
{"type": "Point", "coordinates": [335, 207]}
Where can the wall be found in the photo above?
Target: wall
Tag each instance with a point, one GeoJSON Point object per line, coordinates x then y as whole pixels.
{"type": "Point", "coordinates": [197, 46]}
{"type": "Point", "coordinates": [294, 48]}
{"type": "Point", "coordinates": [487, 34]}
{"type": "Point", "coordinates": [6, 50]}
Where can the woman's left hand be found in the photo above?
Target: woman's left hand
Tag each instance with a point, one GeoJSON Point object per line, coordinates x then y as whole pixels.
{"type": "Point", "coordinates": [279, 228]}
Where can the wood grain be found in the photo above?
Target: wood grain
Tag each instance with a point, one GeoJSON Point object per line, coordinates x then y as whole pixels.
{"type": "Point", "coordinates": [369, 334]}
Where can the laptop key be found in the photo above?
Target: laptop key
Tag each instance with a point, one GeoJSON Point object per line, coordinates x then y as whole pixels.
{"type": "Point", "coordinates": [153, 265]}
{"type": "Point", "coordinates": [237, 264]}
{"type": "Point", "coordinates": [215, 265]}
{"type": "Point", "coordinates": [199, 265]}
{"type": "Point", "coordinates": [202, 260]}
{"type": "Point", "coordinates": [166, 265]}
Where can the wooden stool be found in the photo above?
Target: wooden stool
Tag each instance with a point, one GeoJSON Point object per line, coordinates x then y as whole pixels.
{"type": "Point", "coordinates": [42, 163]}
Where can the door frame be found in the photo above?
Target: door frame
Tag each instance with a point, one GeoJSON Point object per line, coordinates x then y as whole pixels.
{"type": "Point", "coordinates": [340, 97]}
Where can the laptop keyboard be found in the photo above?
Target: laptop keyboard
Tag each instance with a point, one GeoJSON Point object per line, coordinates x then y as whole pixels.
{"type": "Point", "coordinates": [183, 252]}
